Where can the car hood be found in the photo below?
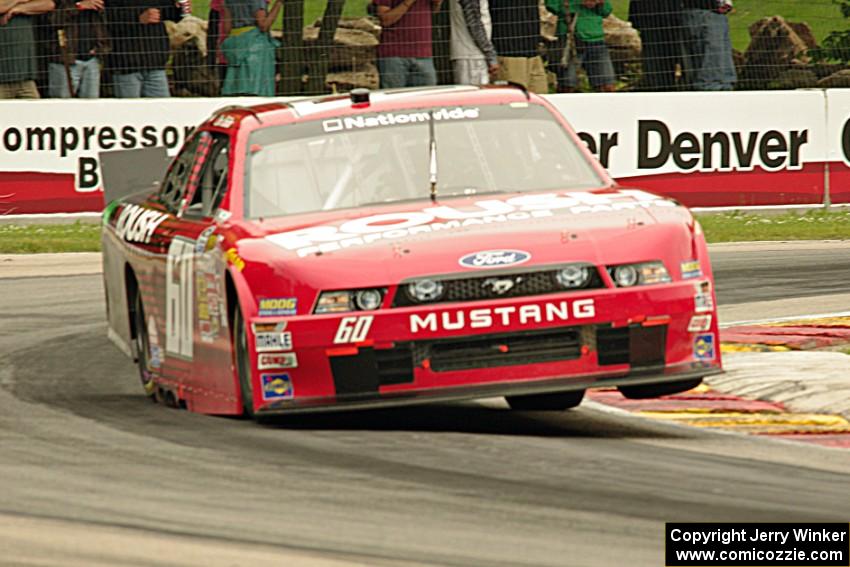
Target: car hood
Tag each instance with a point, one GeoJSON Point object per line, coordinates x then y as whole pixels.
{"type": "Point", "coordinates": [392, 243]}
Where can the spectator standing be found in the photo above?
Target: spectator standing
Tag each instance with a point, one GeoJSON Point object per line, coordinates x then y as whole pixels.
{"type": "Point", "coordinates": [78, 40]}
{"type": "Point", "coordinates": [472, 52]}
{"type": "Point", "coordinates": [249, 47]}
{"type": "Point", "coordinates": [560, 51]}
{"type": "Point", "coordinates": [591, 51]}
{"type": "Point", "coordinates": [405, 54]}
{"type": "Point", "coordinates": [659, 23]}
{"type": "Point", "coordinates": [708, 45]}
{"type": "Point", "coordinates": [17, 47]}
{"type": "Point", "coordinates": [516, 36]}
{"type": "Point", "coordinates": [140, 46]}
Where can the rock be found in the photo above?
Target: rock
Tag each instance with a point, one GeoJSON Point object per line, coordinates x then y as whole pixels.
{"type": "Point", "coordinates": [353, 47]}
{"type": "Point", "coordinates": [838, 80]}
{"type": "Point", "coordinates": [366, 76]}
{"type": "Point", "coordinates": [548, 23]}
{"type": "Point", "coordinates": [798, 77]}
{"type": "Point", "coordinates": [774, 47]}
{"type": "Point", "coordinates": [622, 40]}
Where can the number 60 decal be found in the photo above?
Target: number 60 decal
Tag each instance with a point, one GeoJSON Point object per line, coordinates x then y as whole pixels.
{"type": "Point", "coordinates": [353, 329]}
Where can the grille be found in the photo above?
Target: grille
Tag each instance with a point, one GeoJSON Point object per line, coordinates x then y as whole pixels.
{"type": "Point", "coordinates": [487, 351]}
{"type": "Point", "coordinates": [483, 287]}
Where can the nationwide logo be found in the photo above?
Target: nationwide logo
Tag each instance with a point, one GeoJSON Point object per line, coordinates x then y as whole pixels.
{"type": "Point", "coordinates": [494, 259]}
{"type": "Point", "coordinates": [398, 118]}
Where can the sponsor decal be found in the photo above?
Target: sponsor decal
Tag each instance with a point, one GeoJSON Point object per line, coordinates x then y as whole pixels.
{"type": "Point", "coordinates": [275, 360]}
{"type": "Point", "coordinates": [388, 226]}
{"type": "Point", "coordinates": [269, 327]}
{"type": "Point", "coordinates": [137, 224]}
{"type": "Point", "coordinates": [155, 351]}
{"type": "Point", "coordinates": [704, 347]}
{"type": "Point", "coordinates": [488, 317]}
{"type": "Point", "coordinates": [699, 323]}
{"type": "Point", "coordinates": [277, 386]}
{"type": "Point", "coordinates": [205, 241]}
{"type": "Point", "coordinates": [273, 341]}
{"type": "Point", "coordinates": [495, 259]}
{"type": "Point", "coordinates": [353, 329]}
{"type": "Point", "coordinates": [398, 119]}
{"type": "Point", "coordinates": [277, 306]}
{"type": "Point", "coordinates": [691, 269]}
{"type": "Point", "coordinates": [234, 259]}
{"type": "Point", "coordinates": [210, 303]}
{"type": "Point", "coordinates": [702, 298]}
{"type": "Point", "coordinates": [224, 121]}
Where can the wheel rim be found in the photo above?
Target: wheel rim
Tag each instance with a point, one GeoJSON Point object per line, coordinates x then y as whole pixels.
{"type": "Point", "coordinates": [143, 348]}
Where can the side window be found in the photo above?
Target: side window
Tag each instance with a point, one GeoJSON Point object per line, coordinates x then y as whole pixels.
{"type": "Point", "coordinates": [212, 177]}
{"type": "Point", "coordinates": [179, 176]}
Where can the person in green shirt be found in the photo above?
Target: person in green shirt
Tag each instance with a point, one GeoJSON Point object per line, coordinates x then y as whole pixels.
{"type": "Point", "coordinates": [588, 38]}
{"type": "Point", "coordinates": [556, 49]}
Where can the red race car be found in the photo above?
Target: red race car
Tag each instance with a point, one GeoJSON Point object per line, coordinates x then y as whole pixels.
{"type": "Point", "coordinates": [403, 247]}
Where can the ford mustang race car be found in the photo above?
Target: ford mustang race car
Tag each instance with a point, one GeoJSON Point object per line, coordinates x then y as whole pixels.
{"type": "Point", "coordinates": [403, 247]}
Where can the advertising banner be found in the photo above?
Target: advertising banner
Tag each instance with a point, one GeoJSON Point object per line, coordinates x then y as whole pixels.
{"type": "Point", "coordinates": [711, 148]}
{"type": "Point", "coordinates": [838, 132]}
{"type": "Point", "coordinates": [704, 149]}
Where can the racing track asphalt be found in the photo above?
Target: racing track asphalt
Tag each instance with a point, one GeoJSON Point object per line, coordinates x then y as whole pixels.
{"type": "Point", "coordinates": [93, 474]}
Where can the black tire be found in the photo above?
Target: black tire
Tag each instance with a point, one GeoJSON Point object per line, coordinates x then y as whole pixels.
{"type": "Point", "coordinates": [546, 402]}
{"type": "Point", "coordinates": [644, 391]}
{"type": "Point", "coordinates": [242, 363]}
{"type": "Point", "coordinates": [141, 345]}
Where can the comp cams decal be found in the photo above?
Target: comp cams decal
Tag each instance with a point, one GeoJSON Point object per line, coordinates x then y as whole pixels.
{"type": "Point", "coordinates": [389, 226]}
{"type": "Point", "coordinates": [276, 360]}
{"type": "Point", "coordinates": [488, 317]}
{"type": "Point", "coordinates": [137, 224]}
{"type": "Point", "coordinates": [277, 386]}
{"type": "Point", "coordinates": [494, 259]}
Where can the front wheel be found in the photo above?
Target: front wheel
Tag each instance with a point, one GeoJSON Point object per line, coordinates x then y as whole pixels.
{"type": "Point", "coordinates": [243, 363]}
{"type": "Point", "coordinates": [546, 402]}
{"type": "Point", "coordinates": [142, 346]}
{"type": "Point", "coordinates": [644, 391]}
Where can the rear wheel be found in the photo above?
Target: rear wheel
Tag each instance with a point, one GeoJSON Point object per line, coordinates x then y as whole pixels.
{"type": "Point", "coordinates": [243, 363]}
{"type": "Point", "coordinates": [643, 391]}
{"type": "Point", "coordinates": [141, 344]}
{"type": "Point", "coordinates": [546, 402]}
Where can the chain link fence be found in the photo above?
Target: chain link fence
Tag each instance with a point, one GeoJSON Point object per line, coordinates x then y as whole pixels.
{"type": "Point", "coordinates": [158, 48]}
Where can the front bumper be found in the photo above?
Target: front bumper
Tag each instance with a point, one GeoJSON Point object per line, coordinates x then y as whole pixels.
{"type": "Point", "coordinates": [529, 345]}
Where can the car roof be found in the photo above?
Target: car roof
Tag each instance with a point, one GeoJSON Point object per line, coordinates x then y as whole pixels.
{"type": "Point", "coordinates": [296, 110]}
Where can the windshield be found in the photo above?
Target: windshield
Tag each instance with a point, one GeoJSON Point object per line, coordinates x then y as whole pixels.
{"type": "Point", "coordinates": [380, 158]}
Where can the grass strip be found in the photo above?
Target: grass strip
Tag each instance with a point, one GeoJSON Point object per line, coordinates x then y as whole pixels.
{"type": "Point", "coordinates": [718, 227]}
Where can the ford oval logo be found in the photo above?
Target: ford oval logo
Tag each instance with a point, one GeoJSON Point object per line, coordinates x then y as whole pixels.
{"type": "Point", "coordinates": [494, 258]}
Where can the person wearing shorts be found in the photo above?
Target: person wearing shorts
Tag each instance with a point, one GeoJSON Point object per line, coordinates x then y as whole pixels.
{"type": "Point", "coordinates": [472, 52]}
{"type": "Point", "coordinates": [590, 49]}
